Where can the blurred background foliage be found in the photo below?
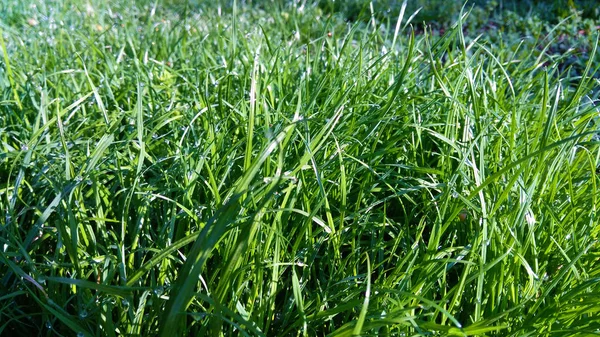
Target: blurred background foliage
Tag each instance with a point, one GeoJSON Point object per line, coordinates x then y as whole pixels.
{"type": "Point", "coordinates": [564, 30]}
{"type": "Point", "coordinates": [445, 12]}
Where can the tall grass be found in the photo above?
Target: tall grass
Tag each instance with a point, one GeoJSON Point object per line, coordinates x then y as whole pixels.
{"type": "Point", "coordinates": [178, 169]}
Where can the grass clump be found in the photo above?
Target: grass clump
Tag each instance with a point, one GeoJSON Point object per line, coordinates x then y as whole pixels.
{"type": "Point", "coordinates": [181, 169]}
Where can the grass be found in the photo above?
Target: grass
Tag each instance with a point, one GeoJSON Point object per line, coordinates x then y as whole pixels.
{"type": "Point", "coordinates": [173, 168]}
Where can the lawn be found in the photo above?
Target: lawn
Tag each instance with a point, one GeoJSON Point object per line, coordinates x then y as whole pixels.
{"type": "Point", "coordinates": [299, 168]}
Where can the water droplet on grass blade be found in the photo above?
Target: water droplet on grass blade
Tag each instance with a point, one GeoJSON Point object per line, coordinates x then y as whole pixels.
{"type": "Point", "coordinates": [158, 291]}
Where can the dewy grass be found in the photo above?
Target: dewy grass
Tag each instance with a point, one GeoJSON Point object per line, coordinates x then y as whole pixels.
{"type": "Point", "coordinates": [211, 169]}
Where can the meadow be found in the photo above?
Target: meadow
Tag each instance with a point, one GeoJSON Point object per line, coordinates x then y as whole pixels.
{"type": "Point", "coordinates": [298, 168]}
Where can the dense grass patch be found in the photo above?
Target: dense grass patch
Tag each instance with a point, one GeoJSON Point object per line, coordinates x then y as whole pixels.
{"type": "Point", "coordinates": [201, 169]}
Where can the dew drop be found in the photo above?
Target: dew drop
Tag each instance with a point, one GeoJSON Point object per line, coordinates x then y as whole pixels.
{"type": "Point", "coordinates": [158, 291]}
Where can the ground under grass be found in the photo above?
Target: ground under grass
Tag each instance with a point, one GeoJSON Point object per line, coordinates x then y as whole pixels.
{"type": "Point", "coordinates": [213, 170]}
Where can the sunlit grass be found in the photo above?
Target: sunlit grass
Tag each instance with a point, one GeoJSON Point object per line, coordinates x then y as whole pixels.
{"type": "Point", "coordinates": [205, 170]}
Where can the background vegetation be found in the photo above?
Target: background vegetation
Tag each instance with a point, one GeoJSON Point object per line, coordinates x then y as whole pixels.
{"type": "Point", "coordinates": [299, 168]}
